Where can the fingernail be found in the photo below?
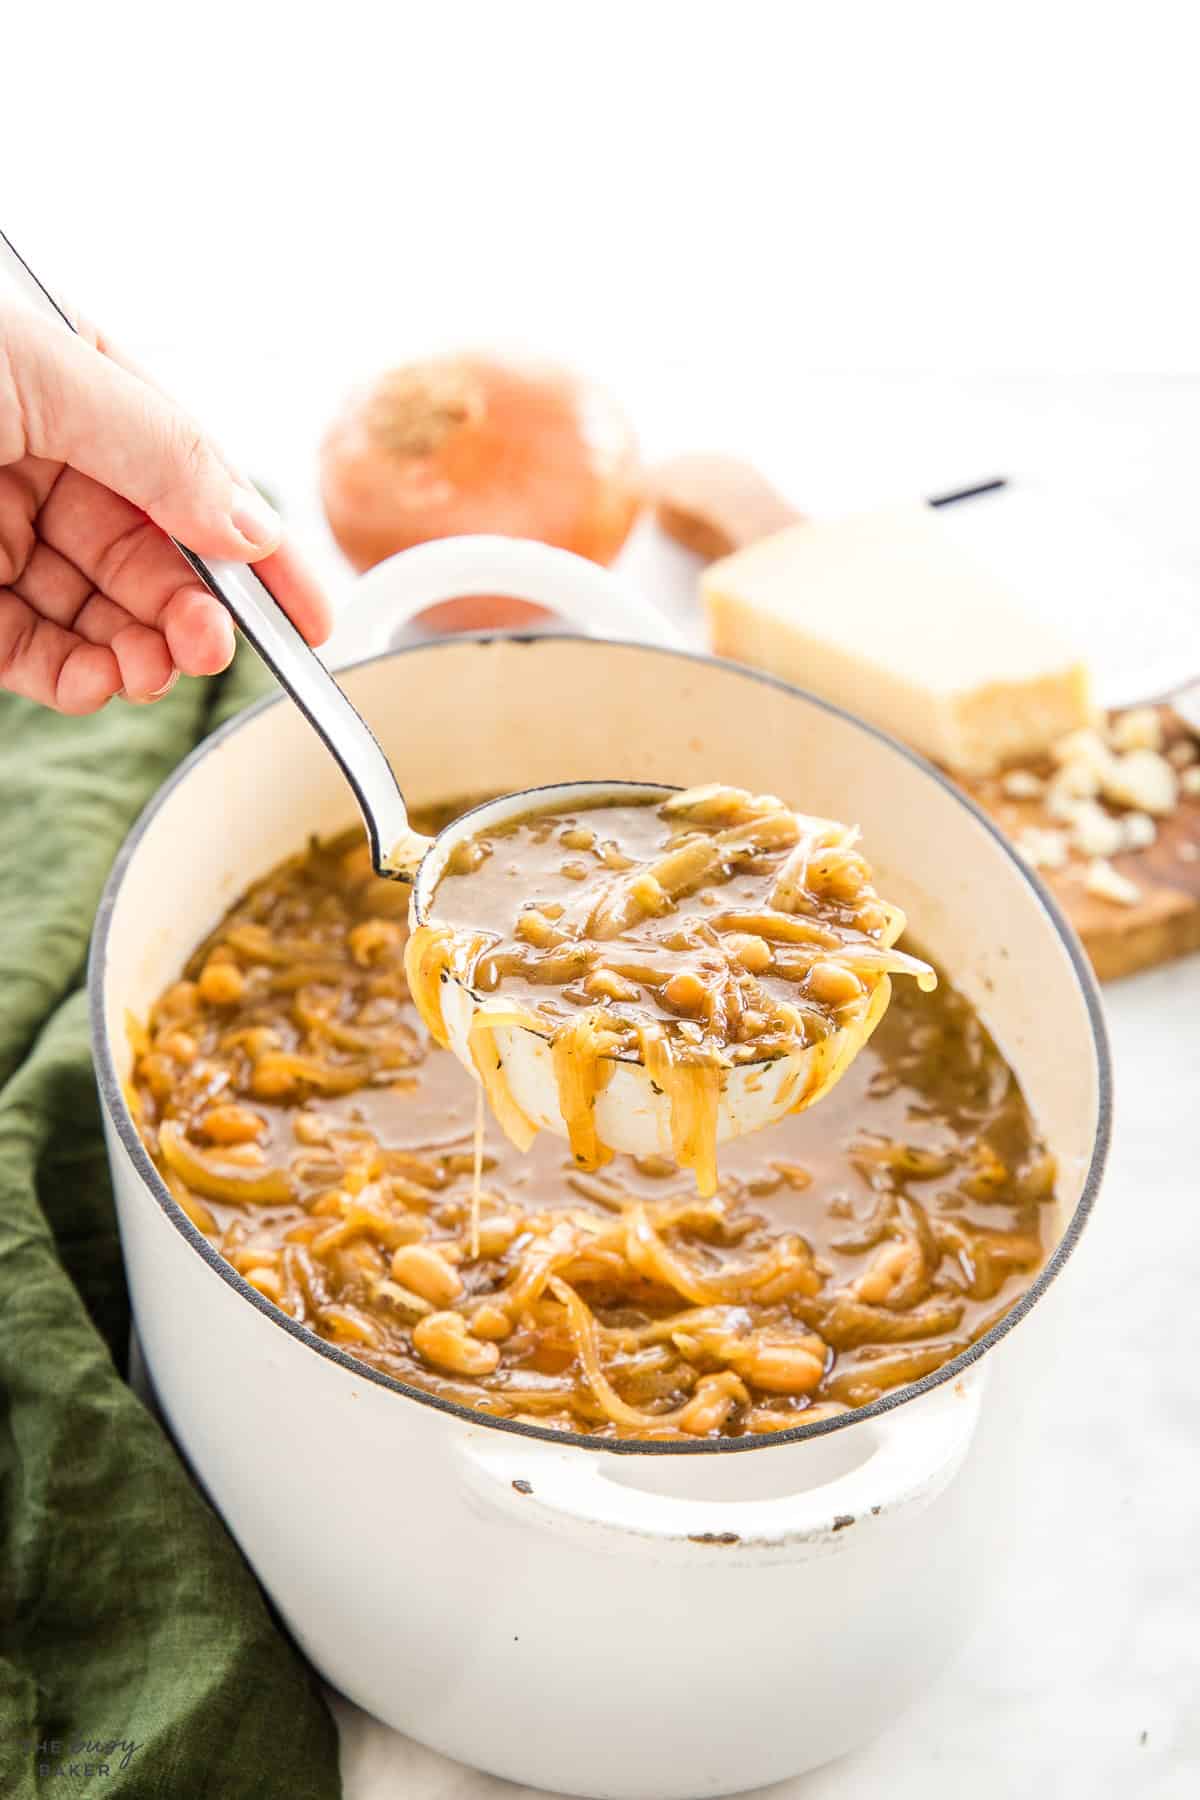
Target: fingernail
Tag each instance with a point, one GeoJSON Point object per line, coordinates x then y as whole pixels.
{"type": "Point", "coordinates": [147, 699]}
{"type": "Point", "coordinates": [256, 518]}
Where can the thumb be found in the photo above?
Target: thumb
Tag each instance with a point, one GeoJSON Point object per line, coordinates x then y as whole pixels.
{"type": "Point", "coordinates": [71, 404]}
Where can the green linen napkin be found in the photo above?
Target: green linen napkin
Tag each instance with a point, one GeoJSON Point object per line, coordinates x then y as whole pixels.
{"type": "Point", "coordinates": [133, 1638]}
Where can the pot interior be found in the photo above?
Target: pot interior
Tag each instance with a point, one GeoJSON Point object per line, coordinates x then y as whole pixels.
{"type": "Point", "coordinates": [470, 717]}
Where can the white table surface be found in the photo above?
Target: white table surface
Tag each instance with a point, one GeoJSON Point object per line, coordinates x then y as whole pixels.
{"type": "Point", "coordinates": [1083, 1678]}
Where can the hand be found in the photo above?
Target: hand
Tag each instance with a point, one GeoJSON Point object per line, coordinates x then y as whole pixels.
{"type": "Point", "coordinates": [96, 468]}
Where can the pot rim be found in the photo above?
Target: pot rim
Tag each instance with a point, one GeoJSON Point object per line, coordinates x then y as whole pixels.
{"type": "Point", "coordinates": [113, 1098]}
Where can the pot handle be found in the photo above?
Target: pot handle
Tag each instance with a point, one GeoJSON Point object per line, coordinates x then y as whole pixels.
{"type": "Point", "coordinates": [809, 1490]}
{"type": "Point", "coordinates": [396, 590]}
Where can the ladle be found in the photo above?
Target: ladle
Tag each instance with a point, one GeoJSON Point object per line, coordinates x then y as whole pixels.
{"type": "Point", "coordinates": [632, 1113]}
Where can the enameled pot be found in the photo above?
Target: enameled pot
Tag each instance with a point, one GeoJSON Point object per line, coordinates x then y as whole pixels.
{"type": "Point", "coordinates": [644, 1621]}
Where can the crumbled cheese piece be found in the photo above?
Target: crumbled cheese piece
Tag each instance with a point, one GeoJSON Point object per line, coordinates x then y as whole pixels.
{"type": "Point", "coordinates": [1143, 779]}
{"type": "Point", "coordinates": [1043, 849]}
{"type": "Point", "coordinates": [1085, 746]}
{"type": "Point", "coordinates": [1062, 803]}
{"type": "Point", "coordinates": [1108, 883]}
{"type": "Point", "coordinates": [1095, 832]}
{"type": "Point", "coordinates": [1183, 753]}
{"type": "Point", "coordinates": [1189, 780]}
{"type": "Point", "coordinates": [1022, 784]}
{"type": "Point", "coordinates": [1081, 777]}
{"type": "Point", "coordinates": [1139, 831]}
{"type": "Point", "coordinates": [1188, 852]}
{"type": "Point", "coordinates": [1139, 729]}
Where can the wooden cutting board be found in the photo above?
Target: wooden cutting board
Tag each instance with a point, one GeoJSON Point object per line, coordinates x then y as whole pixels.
{"type": "Point", "coordinates": [1165, 922]}
{"type": "Point", "coordinates": [717, 504]}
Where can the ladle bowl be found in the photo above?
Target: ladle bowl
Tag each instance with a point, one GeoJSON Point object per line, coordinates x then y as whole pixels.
{"type": "Point", "coordinates": [632, 1112]}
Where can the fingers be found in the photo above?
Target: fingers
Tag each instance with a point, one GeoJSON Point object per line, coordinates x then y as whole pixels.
{"type": "Point", "coordinates": [41, 661]}
{"type": "Point", "coordinates": [144, 661]}
{"type": "Point", "coordinates": [198, 632]}
{"type": "Point", "coordinates": [61, 399]}
{"type": "Point", "coordinates": [103, 602]}
{"type": "Point", "coordinates": [55, 587]}
{"type": "Point", "coordinates": [46, 661]}
{"type": "Point", "coordinates": [113, 544]}
{"type": "Point", "coordinates": [57, 590]}
{"type": "Point", "coordinates": [298, 591]}
{"type": "Point", "coordinates": [104, 543]}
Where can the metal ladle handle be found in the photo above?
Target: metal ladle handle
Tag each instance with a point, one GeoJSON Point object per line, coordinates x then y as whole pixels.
{"type": "Point", "coordinates": [395, 847]}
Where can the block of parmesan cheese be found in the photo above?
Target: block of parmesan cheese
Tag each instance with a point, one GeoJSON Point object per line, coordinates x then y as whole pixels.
{"type": "Point", "coordinates": [887, 615]}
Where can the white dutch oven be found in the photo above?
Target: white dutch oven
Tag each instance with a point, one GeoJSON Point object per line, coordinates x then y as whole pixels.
{"type": "Point", "coordinates": [661, 1621]}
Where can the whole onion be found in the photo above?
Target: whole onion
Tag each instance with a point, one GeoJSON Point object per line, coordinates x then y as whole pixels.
{"type": "Point", "coordinates": [476, 443]}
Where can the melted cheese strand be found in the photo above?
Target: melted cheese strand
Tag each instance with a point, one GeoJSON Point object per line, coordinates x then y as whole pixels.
{"type": "Point", "coordinates": [477, 1172]}
{"type": "Point", "coordinates": [693, 1091]}
{"type": "Point", "coordinates": [582, 1070]}
{"type": "Point", "coordinates": [516, 1124]}
{"type": "Point", "coordinates": [427, 957]}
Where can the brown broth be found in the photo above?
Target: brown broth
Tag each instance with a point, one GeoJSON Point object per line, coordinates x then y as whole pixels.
{"type": "Point", "coordinates": [846, 1251]}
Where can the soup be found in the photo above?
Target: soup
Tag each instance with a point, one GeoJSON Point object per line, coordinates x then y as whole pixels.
{"type": "Point", "coordinates": [304, 1119]}
{"type": "Point", "coordinates": [705, 931]}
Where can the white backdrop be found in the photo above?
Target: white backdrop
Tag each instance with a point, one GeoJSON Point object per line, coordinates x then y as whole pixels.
{"type": "Point", "coordinates": [804, 185]}
{"type": "Point", "coordinates": [719, 208]}
{"type": "Point", "coordinates": [268, 200]}
{"type": "Point", "coordinates": [789, 229]}
{"type": "Point", "coordinates": [883, 249]}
